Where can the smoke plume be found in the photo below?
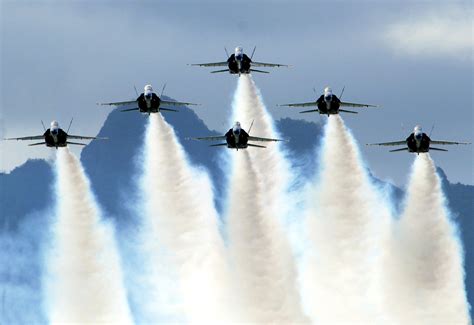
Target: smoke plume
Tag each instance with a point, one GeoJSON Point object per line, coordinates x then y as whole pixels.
{"type": "Point", "coordinates": [425, 276]}
{"type": "Point", "coordinates": [347, 223]}
{"type": "Point", "coordinates": [182, 222]}
{"type": "Point", "coordinates": [84, 284]}
{"type": "Point", "coordinates": [263, 265]}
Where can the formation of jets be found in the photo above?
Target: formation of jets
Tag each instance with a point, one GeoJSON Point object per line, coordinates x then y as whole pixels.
{"type": "Point", "coordinates": [237, 138]}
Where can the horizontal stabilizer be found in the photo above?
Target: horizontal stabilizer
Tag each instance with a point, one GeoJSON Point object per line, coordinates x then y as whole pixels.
{"type": "Point", "coordinates": [260, 71]}
{"type": "Point", "coordinates": [219, 71]}
{"type": "Point", "coordinates": [218, 145]}
{"type": "Point", "coordinates": [37, 144]}
{"type": "Point", "coordinates": [76, 143]}
{"type": "Point", "coordinates": [437, 149]}
{"type": "Point", "coordinates": [310, 111]}
{"type": "Point", "coordinates": [129, 109]}
{"type": "Point", "coordinates": [346, 111]}
{"type": "Point", "coordinates": [401, 149]}
{"type": "Point", "coordinates": [168, 109]}
{"type": "Point", "coordinates": [255, 145]}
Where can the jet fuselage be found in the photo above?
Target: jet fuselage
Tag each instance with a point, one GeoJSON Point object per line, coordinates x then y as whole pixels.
{"type": "Point", "coordinates": [237, 138]}
{"type": "Point", "coordinates": [328, 105]}
{"type": "Point", "coordinates": [55, 137]}
{"type": "Point", "coordinates": [149, 103]}
{"type": "Point", "coordinates": [239, 64]}
{"type": "Point", "coordinates": [418, 142]}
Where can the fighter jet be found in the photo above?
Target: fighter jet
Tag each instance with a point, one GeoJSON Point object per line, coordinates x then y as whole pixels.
{"type": "Point", "coordinates": [56, 137]}
{"type": "Point", "coordinates": [417, 142]}
{"type": "Point", "coordinates": [148, 102]}
{"type": "Point", "coordinates": [329, 104]}
{"type": "Point", "coordinates": [239, 63]}
{"type": "Point", "coordinates": [237, 138]}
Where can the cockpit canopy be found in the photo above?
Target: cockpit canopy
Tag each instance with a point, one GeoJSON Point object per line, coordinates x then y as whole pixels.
{"type": "Point", "coordinates": [236, 128]}
{"type": "Point", "coordinates": [148, 90]}
{"type": "Point", "coordinates": [239, 52]}
{"type": "Point", "coordinates": [417, 131]}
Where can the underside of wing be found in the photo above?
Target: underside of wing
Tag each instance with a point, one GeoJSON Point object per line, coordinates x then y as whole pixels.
{"type": "Point", "coordinates": [168, 109]}
{"type": "Point", "coordinates": [346, 104]}
{"type": "Point", "coordinates": [128, 102]}
{"type": "Point", "coordinates": [259, 71]}
{"type": "Point", "coordinates": [394, 143]}
{"type": "Point", "coordinates": [215, 138]}
{"type": "Point", "coordinates": [214, 64]}
{"type": "Point", "coordinates": [81, 137]}
{"type": "Point", "coordinates": [218, 145]}
{"type": "Point", "coordinates": [263, 139]}
{"type": "Point", "coordinates": [300, 104]}
{"type": "Point", "coordinates": [347, 111]}
{"type": "Point", "coordinates": [37, 144]}
{"type": "Point", "coordinates": [263, 64]}
{"type": "Point", "coordinates": [401, 149]}
{"type": "Point", "coordinates": [33, 137]}
{"type": "Point", "coordinates": [310, 111]}
{"type": "Point", "coordinates": [169, 103]}
{"type": "Point", "coordinates": [255, 145]}
{"type": "Point", "coordinates": [130, 109]}
{"type": "Point", "coordinates": [447, 142]}
{"type": "Point", "coordinates": [437, 149]}
{"type": "Point", "coordinates": [219, 71]}
{"type": "Point", "coordinates": [76, 143]}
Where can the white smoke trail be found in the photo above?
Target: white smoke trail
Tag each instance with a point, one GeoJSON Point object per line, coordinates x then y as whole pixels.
{"type": "Point", "coordinates": [425, 276]}
{"type": "Point", "coordinates": [84, 284]}
{"type": "Point", "coordinates": [259, 255]}
{"type": "Point", "coordinates": [347, 222]}
{"type": "Point", "coordinates": [263, 264]}
{"type": "Point", "coordinates": [183, 225]}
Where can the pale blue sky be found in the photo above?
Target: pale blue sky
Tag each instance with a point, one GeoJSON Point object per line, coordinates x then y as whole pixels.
{"type": "Point", "coordinates": [58, 58]}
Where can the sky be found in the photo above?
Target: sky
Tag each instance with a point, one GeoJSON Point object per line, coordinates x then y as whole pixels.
{"type": "Point", "coordinates": [415, 59]}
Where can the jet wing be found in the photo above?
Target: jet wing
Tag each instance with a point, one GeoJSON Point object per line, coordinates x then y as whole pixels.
{"type": "Point", "coordinates": [263, 64]}
{"type": "Point", "coordinates": [118, 103]}
{"type": "Point", "coordinates": [168, 103]}
{"type": "Point", "coordinates": [80, 137]}
{"type": "Point", "coordinates": [34, 137]}
{"type": "Point", "coordinates": [300, 104]}
{"type": "Point", "coordinates": [215, 64]}
{"type": "Point", "coordinates": [263, 139]}
{"type": "Point", "coordinates": [394, 143]}
{"type": "Point", "coordinates": [447, 142]}
{"type": "Point", "coordinates": [215, 138]}
{"type": "Point", "coordinates": [346, 104]}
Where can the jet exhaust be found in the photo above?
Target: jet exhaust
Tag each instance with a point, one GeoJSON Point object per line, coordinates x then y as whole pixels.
{"type": "Point", "coordinates": [181, 226]}
{"type": "Point", "coordinates": [84, 281]}
{"type": "Point", "coordinates": [264, 268]}
{"type": "Point", "coordinates": [347, 223]}
{"type": "Point", "coordinates": [425, 276]}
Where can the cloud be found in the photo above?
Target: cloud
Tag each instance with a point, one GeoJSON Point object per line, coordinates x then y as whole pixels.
{"type": "Point", "coordinates": [445, 32]}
